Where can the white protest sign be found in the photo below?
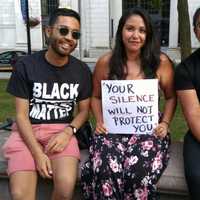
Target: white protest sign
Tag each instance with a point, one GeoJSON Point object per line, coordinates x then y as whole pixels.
{"type": "Point", "coordinates": [130, 106]}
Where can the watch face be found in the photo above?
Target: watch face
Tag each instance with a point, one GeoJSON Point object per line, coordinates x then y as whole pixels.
{"type": "Point", "coordinates": [74, 130]}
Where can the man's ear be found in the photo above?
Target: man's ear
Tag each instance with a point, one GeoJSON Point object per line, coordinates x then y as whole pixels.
{"type": "Point", "coordinates": [48, 31]}
{"type": "Point", "coordinates": [195, 31]}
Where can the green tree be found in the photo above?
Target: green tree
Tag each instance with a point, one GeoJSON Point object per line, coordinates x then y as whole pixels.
{"type": "Point", "coordinates": [184, 28]}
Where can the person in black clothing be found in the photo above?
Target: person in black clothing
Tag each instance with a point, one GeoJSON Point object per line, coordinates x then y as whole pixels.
{"type": "Point", "coordinates": [46, 86]}
{"type": "Point", "coordinates": [187, 83]}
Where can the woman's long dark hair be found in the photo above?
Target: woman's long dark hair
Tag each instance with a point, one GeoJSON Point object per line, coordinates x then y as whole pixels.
{"type": "Point", "coordinates": [150, 52]}
{"type": "Point", "coordinates": [195, 17]}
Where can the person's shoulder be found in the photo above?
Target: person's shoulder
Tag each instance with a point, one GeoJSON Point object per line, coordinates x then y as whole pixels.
{"type": "Point", "coordinates": [79, 64]}
{"type": "Point", "coordinates": [195, 53]}
{"type": "Point", "coordinates": [164, 57]}
{"type": "Point", "coordinates": [103, 61]}
{"type": "Point", "coordinates": [76, 61]}
{"type": "Point", "coordinates": [165, 66]}
{"type": "Point", "coordinates": [105, 58]}
{"type": "Point", "coordinates": [165, 61]}
{"type": "Point", "coordinates": [26, 63]}
{"type": "Point", "coordinates": [190, 61]}
{"type": "Point", "coordinates": [102, 64]}
{"type": "Point", "coordinates": [28, 59]}
{"type": "Point", "coordinates": [193, 57]}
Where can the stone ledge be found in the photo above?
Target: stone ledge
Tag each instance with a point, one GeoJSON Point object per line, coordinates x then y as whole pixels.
{"type": "Point", "coordinates": [172, 181]}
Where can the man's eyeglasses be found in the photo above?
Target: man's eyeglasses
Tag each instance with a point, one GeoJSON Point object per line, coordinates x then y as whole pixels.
{"type": "Point", "coordinates": [65, 31]}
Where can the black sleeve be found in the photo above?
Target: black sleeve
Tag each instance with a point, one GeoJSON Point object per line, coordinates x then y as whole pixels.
{"type": "Point", "coordinates": [86, 84]}
{"type": "Point", "coordinates": [18, 84]}
{"type": "Point", "coordinates": [183, 77]}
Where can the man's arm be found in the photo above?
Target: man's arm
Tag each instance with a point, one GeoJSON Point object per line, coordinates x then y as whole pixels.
{"type": "Point", "coordinates": [59, 142]}
{"type": "Point", "coordinates": [97, 111]}
{"type": "Point", "coordinates": [82, 114]}
{"type": "Point", "coordinates": [26, 132]}
{"type": "Point", "coordinates": [191, 110]}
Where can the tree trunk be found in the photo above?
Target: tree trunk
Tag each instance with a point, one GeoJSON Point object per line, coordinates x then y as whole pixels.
{"type": "Point", "coordinates": [184, 28]}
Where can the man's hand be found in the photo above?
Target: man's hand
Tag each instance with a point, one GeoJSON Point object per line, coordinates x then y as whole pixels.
{"type": "Point", "coordinates": [43, 165]}
{"type": "Point", "coordinates": [57, 143]}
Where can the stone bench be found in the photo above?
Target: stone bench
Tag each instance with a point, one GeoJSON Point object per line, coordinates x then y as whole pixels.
{"type": "Point", "coordinates": [172, 185]}
{"type": "Point", "coordinates": [173, 179]}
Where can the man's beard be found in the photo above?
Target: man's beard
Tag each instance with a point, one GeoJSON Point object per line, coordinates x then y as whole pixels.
{"type": "Point", "coordinates": [54, 46]}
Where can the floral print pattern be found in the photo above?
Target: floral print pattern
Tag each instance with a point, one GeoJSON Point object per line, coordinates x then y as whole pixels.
{"type": "Point", "coordinates": [124, 167]}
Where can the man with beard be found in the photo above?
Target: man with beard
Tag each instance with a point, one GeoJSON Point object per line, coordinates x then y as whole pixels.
{"type": "Point", "coordinates": [46, 86]}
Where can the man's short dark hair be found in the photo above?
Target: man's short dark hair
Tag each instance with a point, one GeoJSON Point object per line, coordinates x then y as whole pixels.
{"type": "Point", "coordinates": [62, 12]}
{"type": "Point", "coordinates": [195, 17]}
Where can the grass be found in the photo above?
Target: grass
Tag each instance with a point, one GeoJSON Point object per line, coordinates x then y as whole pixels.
{"type": "Point", "coordinates": [178, 126]}
{"type": "Point", "coordinates": [7, 109]}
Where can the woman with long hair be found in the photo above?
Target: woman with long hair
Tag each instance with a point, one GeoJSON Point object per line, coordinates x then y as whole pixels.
{"type": "Point", "coordinates": [128, 166]}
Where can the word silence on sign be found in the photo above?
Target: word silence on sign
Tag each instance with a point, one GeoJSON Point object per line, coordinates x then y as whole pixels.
{"type": "Point", "coordinates": [130, 106]}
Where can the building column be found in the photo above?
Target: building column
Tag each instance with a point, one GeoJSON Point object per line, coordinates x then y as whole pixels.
{"type": "Point", "coordinates": [173, 25]}
{"type": "Point", "coordinates": [35, 32]}
{"type": "Point", "coordinates": [20, 28]}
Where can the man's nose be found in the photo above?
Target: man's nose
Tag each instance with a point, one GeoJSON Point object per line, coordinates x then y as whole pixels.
{"type": "Point", "coordinates": [69, 35]}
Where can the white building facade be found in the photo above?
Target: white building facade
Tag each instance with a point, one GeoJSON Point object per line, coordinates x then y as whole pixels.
{"type": "Point", "coordinates": [99, 19]}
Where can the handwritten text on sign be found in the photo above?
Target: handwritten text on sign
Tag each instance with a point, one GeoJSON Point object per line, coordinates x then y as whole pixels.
{"type": "Point", "coordinates": [130, 106]}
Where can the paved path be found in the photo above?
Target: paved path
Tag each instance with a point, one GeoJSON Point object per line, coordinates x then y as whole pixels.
{"type": "Point", "coordinates": [5, 75]}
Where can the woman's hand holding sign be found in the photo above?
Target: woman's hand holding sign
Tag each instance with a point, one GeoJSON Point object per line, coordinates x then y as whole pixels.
{"type": "Point", "coordinates": [100, 128]}
{"type": "Point", "coordinates": [162, 129]}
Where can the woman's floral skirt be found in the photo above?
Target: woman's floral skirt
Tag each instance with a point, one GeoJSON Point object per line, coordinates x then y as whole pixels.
{"type": "Point", "coordinates": [124, 167]}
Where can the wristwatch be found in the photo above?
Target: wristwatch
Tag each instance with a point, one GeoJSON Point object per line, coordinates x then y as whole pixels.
{"type": "Point", "coordinates": [74, 129]}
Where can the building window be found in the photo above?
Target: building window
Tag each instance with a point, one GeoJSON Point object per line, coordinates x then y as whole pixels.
{"type": "Point", "coordinates": [47, 7]}
{"type": "Point", "coordinates": [159, 15]}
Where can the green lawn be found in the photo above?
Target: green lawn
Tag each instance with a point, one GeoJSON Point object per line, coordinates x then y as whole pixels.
{"type": "Point", "coordinates": [7, 110]}
{"type": "Point", "coordinates": [178, 126]}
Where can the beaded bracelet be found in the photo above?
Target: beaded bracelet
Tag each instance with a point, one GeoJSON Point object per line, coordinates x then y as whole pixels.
{"type": "Point", "coordinates": [165, 122]}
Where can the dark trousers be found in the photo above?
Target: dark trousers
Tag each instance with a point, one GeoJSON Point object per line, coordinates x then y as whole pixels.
{"type": "Point", "coordinates": [191, 153]}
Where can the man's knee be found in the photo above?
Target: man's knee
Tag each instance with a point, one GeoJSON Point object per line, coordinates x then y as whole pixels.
{"type": "Point", "coordinates": [63, 193]}
{"type": "Point", "coordinates": [18, 193]}
{"type": "Point", "coordinates": [64, 187]}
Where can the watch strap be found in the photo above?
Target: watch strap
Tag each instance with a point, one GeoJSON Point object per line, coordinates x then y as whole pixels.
{"type": "Point", "coordinates": [74, 129]}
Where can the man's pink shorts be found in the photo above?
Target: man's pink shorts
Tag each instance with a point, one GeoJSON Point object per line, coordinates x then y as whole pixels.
{"type": "Point", "coordinates": [19, 156]}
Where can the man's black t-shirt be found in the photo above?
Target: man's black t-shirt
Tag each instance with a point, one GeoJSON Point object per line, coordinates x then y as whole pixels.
{"type": "Point", "coordinates": [187, 75]}
{"type": "Point", "coordinates": [52, 91]}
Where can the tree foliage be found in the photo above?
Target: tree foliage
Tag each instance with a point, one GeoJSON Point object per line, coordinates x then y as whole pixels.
{"type": "Point", "coordinates": [156, 3]}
